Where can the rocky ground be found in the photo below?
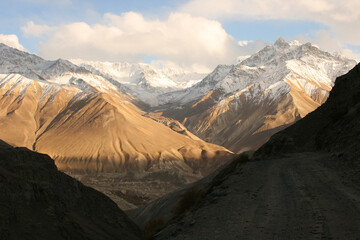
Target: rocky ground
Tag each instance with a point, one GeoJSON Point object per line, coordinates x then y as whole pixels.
{"type": "Point", "coordinates": [294, 197]}
{"type": "Point", "coordinates": [135, 189]}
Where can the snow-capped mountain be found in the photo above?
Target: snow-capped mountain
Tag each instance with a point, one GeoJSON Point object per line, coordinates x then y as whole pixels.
{"type": "Point", "coordinates": [32, 66]}
{"type": "Point", "coordinates": [142, 80]}
{"type": "Point", "coordinates": [87, 123]}
{"type": "Point", "coordinates": [237, 106]}
{"type": "Point", "coordinates": [24, 69]}
{"type": "Point", "coordinates": [240, 106]}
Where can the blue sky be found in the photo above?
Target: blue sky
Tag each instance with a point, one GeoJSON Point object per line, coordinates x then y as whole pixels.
{"type": "Point", "coordinates": [190, 33]}
{"type": "Point", "coordinates": [15, 13]}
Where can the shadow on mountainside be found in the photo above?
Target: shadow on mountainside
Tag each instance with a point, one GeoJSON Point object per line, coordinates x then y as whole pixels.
{"type": "Point", "coordinates": [302, 184]}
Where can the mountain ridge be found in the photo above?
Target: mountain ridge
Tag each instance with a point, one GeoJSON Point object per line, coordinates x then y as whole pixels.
{"type": "Point", "coordinates": [266, 91]}
{"type": "Point", "coordinates": [142, 80]}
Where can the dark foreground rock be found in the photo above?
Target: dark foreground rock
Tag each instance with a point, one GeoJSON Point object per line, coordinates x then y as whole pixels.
{"type": "Point", "coordinates": [39, 202]}
{"type": "Point", "coordinates": [293, 197]}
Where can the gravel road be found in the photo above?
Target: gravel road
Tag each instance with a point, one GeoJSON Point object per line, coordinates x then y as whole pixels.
{"type": "Point", "coordinates": [296, 197]}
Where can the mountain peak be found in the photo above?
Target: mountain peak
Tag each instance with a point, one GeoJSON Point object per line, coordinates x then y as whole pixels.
{"type": "Point", "coordinates": [280, 42]}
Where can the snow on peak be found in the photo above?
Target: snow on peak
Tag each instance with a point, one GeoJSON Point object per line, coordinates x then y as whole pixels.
{"type": "Point", "coordinates": [239, 59]}
{"type": "Point", "coordinates": [281, 43]}
{"type": "Point", "coordinates": [141, 73]}
{"type": "Point", "coordinates": [305, 65]}
{"type": "Point", "coordinates": [32, 66]}
{"type": "Point", "coordinates": [142, 80]}
{"type": "Point", "coordinates": [275, 63]}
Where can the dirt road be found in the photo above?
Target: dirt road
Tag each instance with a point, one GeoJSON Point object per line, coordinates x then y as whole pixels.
{"type": "Point", "coordinates": [290, 198]}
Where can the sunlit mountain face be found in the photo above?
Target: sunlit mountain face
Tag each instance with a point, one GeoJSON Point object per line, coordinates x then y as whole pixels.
{"type": "Point", "coordinates": [240, 106]}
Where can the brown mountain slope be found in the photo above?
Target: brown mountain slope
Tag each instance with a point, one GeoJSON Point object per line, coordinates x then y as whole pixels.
{"type": "Point", "coordinates": [241, 106]}
{"type": "Point", "coordinates": [242, 122]}
{"type": "Point", "coordinates": [332, 127]}
{"type": "Point", "coordinates": [39, 202]}
{"type": "Point", "coordinates": [93, 131]}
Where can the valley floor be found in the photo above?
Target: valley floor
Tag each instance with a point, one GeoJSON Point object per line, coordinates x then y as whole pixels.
{"type": "Point", "coordinates": [296, 197]}
{"type": "Point", "coordinates": [134, 189]}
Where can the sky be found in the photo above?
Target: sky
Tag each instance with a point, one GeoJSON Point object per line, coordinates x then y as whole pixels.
{"type": "Point", "coordinates": [196, 35]}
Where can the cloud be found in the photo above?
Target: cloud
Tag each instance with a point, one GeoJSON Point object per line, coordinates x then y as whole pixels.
{"type": "Point", "coordinates": [185, 40]}
{"type": "Point", "coordinates": [339, 17]}
{"type": "Point", "coordinates": [248, 47]}
{"type": "Point", "coordinates": [274, 9]}
{"type": "Point", "coordinates": [33, 30]}
{"type": "Point", "coordinates": [322, 39]}
{"type": "Point", "coordinates": [327, 42]}
{"type": "Point", "coordinates": [12, 41]}
{"type": "Point", "coordinates": [244, 43]}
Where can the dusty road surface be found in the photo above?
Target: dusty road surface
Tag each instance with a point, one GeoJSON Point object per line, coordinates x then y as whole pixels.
{"type": "Point", "coordinates": [296, 197]}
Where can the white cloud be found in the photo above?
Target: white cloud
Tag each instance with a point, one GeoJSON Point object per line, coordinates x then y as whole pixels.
{"type": "Point", "coordinates": [33, 30]}
{"type": "Point", "coordinates": [243, 43]}
{"type": "Point", "coordinates": [340, 17]}
{"type": "Point", "coordinates": [327, 42]}
{"type": "Point", "coordinates": [192, 42]}
{"type": "Point", "coordinates": [189, 38]}
{"type": "Point", "coordinates": [350, 54]}
{"type": "Point", "coordinates": [274, 9]}
{"type": "Point", "coordinates": [12, 41]}
{"type": "Point", "coordinates": [248, 47]}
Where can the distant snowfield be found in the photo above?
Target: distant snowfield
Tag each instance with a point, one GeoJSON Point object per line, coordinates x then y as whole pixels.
{"type": "Point", "coordinates": [143, 80]}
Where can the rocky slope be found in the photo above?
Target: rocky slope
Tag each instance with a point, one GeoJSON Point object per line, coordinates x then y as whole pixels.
{"type": "Point", "coordinates": [293, 197]}
{"type": "Point", "coordinates": [39, 202]}
{"type": "Point", "coordinates": [240, 106]}
{"type": "Point", "coordinates": [284, 192]}
{"type": "Point", "coordinates": [88, 124]}
{"type": "Point", "coordinates": [332, 127]}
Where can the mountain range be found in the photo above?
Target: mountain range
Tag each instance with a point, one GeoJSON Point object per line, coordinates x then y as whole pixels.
{"type": "Point", "coordinates": [86, 123]}
{"type": "Point", "coordinates": [240, 106]}
{"type": "Point", "coordinates": [143, 81]}
{"type": "Point", "coordinates": [101, 121]}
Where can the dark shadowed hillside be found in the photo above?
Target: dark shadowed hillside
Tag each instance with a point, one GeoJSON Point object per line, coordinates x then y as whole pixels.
{"type": "Point", "coordinates": [302, 184]}
{"type": "Point", "coordinates": [39, 202]}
